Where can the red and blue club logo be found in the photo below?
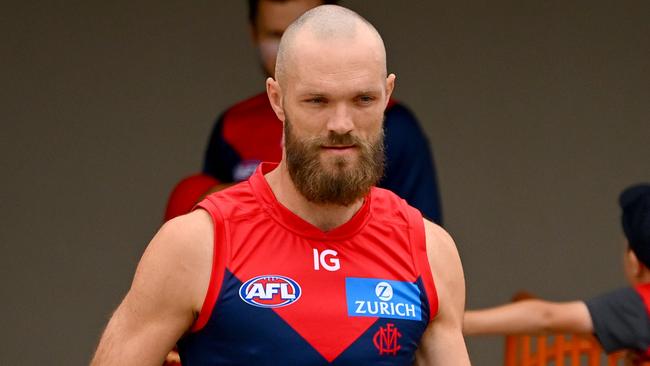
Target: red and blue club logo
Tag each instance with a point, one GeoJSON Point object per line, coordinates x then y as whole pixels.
{"type": "Point", "coordinates": [270, 291]}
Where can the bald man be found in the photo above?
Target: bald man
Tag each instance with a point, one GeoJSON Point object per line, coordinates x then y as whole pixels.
{"type": "Point", "coordinates": [249, 132]}
{"type": "Point", "coordinates": [306, 263]}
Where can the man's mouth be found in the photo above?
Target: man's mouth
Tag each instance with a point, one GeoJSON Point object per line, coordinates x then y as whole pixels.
{"type": "Point", "coordinates": [339, 147]}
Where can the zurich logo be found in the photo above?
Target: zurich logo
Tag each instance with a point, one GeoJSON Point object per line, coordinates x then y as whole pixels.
{"type": "Point", "coordinates": [270, 291]}
{"type": "Point", "coordinates": [384, 291]}
{"type": "Point", "coordinates": [383, 298]}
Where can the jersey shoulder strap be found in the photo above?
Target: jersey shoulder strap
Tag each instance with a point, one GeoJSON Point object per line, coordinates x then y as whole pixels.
{"type": "Point", "coordinates": [418, 240]}
{"type": "Point", "coordinates": [219, 262]}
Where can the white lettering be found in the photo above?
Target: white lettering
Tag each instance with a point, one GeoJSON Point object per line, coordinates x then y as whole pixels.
{"type": "Point", "coordinates": [333, 264]}
{"type": "Point", "coordinates": [384, 308]}
{"type": "Point", "coordinates": [398, 311]}
{"type": "Point", "coordinates": [284, 292]}
{"type": "Point", "coordinates": [327, 259]}
{"type": "Point", "coordinates": [266, 292]}
{"type": "Point", "coordinates": [370, 309]}
{"type": "Point", "coordinates": [256, 290]}
{"type": "Point", "coordinates": [316, 262]}
{"type": "Point", "coordinates": [271, 289]}
{"type": "Point", "coordinates": [410, 310]}
{"type": "Point", "coordinates": [360, 307]}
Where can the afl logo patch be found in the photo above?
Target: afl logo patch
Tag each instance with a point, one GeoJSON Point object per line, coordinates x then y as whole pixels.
{"type": "Point", "coordinates": [270, 291]}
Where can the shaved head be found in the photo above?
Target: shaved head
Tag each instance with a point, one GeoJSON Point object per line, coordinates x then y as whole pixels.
{"type": "Point", "coordinates": [327, 23]}
{"type": "Point", "coordinates": [330, 90]}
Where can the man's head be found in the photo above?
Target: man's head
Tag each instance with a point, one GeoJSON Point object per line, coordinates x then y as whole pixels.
{"type": "Point", "coordinates": [269, 19]}
{"type": "Point", "coordinates": [331, 89]}
{"type": "Point", "coordinates": [635, 203]}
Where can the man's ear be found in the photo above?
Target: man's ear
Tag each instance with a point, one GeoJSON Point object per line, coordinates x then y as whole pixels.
{"type": "Point", "coordinates": [274, 92]}
{"type": "Point", "coordinates": [390, 86]}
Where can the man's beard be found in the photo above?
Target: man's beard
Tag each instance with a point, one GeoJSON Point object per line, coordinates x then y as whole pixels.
{"type": "Point", "coordinates": [342, 180]}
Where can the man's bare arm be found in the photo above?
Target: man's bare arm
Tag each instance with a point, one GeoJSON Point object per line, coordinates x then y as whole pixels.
{"type": "Point", "coordinates": [167, 291]}
{"type": "Point", "coordinates": [443, 342]}
{"type": "Point", "coordinates": [529, 316]}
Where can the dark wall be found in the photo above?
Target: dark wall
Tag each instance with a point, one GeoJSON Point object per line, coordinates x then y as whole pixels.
{"type": "Point", "coordinates": [538, 114]}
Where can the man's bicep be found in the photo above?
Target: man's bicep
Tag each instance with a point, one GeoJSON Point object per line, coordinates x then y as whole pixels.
{"type": "Point", "coordinates": [447, 272]}
{"type": "Point", "coordinates": [443, 342]}
{"type": "Point", "coordinates": [132, 337]}
{"type": "Point", "coordinates": [158, 308]}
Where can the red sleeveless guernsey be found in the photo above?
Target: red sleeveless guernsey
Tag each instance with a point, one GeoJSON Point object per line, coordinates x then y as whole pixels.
{"type": "Point", "coordinates": [283, 292]}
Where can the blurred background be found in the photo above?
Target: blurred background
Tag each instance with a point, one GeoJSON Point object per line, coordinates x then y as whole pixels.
{"type": "Point", "coordinates": [538, 114]}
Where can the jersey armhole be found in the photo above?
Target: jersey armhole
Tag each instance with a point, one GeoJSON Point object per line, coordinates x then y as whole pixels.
{"type": "Point", "coordinates": [420, 258]}
{"type": "Point", "coordinates": [219, 253]}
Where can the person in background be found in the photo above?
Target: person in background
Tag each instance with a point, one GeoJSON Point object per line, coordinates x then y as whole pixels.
{"type": "Point", "coordinates": [249, 132]}
{"type": "Point", "coordinates": [619, 319]}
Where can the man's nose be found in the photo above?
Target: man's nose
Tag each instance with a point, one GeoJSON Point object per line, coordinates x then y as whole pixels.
{"type": "Point", "coordinates": [341, 120]}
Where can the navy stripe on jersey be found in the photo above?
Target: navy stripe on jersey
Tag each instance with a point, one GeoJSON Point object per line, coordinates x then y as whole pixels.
{"type": "Point", "coordinates": [240, 334]}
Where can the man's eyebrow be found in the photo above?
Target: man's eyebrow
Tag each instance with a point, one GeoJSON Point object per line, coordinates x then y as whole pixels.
{"type": "Point", "coordinates": [312, 94]}
{"type": "Point", "coordinates": [369, 91]}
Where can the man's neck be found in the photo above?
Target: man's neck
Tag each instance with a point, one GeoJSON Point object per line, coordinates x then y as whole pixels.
{"type": "Point", "coordinates": [324, 216]}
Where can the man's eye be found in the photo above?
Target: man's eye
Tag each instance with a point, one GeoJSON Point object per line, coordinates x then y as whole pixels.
{"type": "Point", "coordinates": [365, 99]}
{"type": "Point", "coordinates": [316, 100]}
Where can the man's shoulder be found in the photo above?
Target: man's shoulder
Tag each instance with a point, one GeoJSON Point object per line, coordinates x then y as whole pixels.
{"type": "Point", "coordinates": [385, 201]}
{"type": "Point", "coordinates": [388, 206]}
{"type": "Point", "coordinates": [237, 200]}
{"type": "Point", "coordinates": [439, 237]}
{"type": "Point", "coordinates": [178, 260]}
{"type": "Point", "coordinates": [237, 192]}
{"type": "Point", "coordinates": [187, 229]}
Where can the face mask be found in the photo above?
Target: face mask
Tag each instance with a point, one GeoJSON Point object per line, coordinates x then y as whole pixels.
{"type": "Point", "coordinates": [268, 51]}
